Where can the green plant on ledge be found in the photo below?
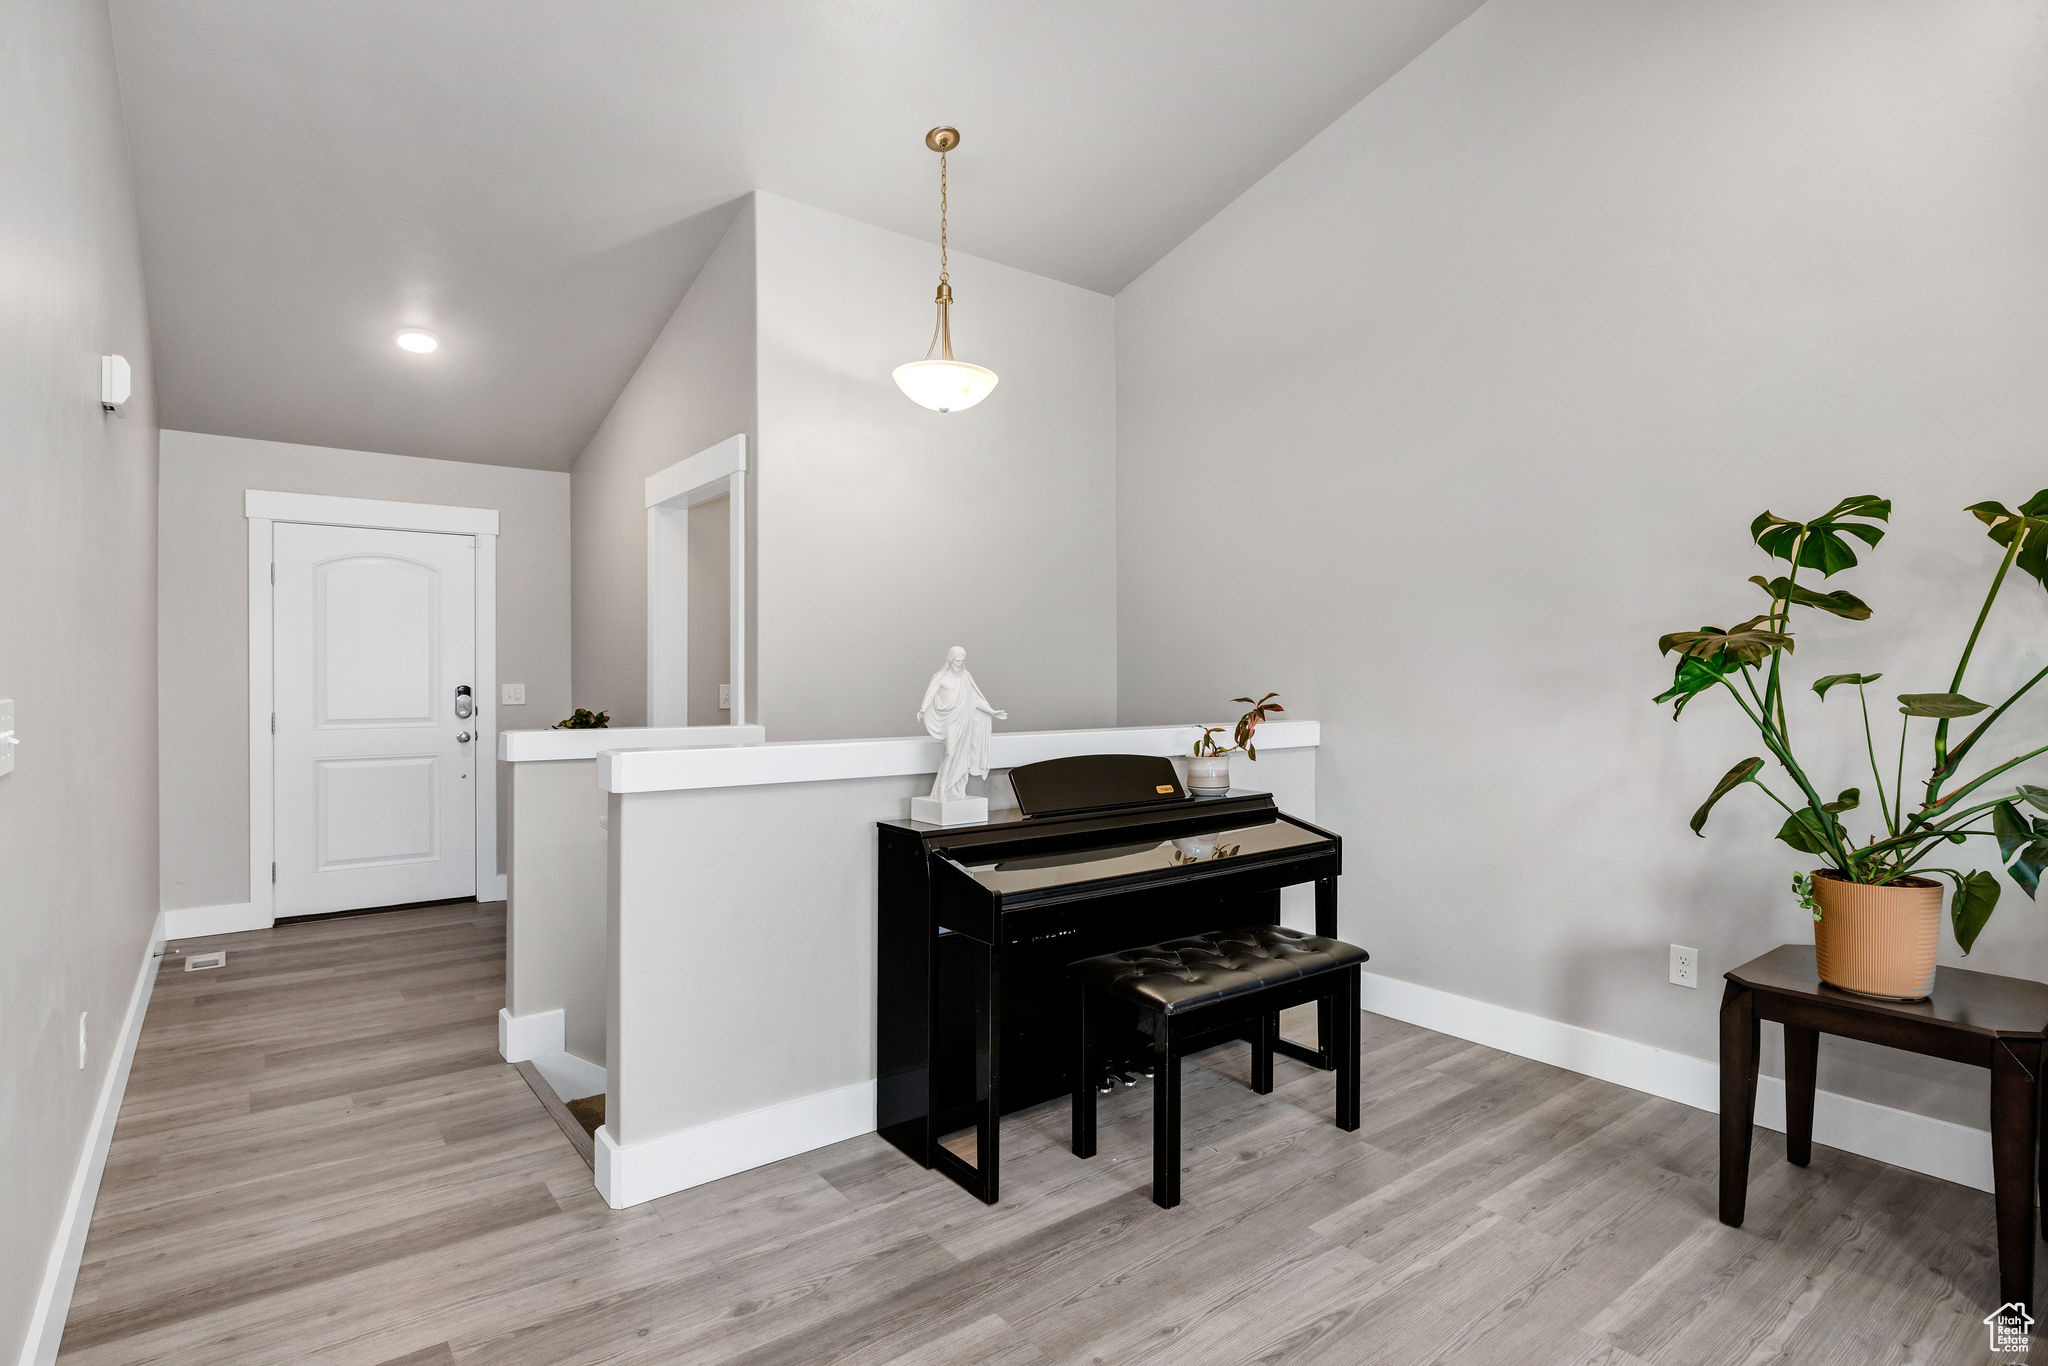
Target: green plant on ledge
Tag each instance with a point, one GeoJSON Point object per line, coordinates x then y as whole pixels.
{"type": "Point", "coordinates": [585, 719]}
{"type": "Point", "coordinates": [1208, 746]}
{"type": "Point", "coordinates": [1746, 661]}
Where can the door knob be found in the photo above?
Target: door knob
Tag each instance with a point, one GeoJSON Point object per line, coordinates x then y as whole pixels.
{"type": "Point", "coordinates": [461, 737]}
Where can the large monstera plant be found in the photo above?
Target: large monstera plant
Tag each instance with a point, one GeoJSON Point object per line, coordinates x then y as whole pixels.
{"type": "Point", "coordinates": [1747, 662]}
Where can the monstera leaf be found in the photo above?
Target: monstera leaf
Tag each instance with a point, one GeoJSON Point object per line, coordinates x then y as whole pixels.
{"type": "Point", "coordinates": [1810, 833]}
{"type": "Point", "coordinates": [1732, 779]}
{"type": "Point", "coordinates": [1944, 705]}
{"type": "Point", "coordinates": [1749, 643]}
{"type": "Point", "coordinates": [1826, 546]}
{"type": "Point", "coordinates": [1976, 897]}
{"type": "Point", "coordinates": [1841, 604]}
{"type": "Point", "coordinates": [2036, 797]}
{"type": "Point", "coordinates": [1821, 685]}
{"type": "Point", "coordinates": [2023, 847]}
{"type": "Point", "coordinates": [2031, 520]}
{"type": "Point", "coordinates": [1695, 676]}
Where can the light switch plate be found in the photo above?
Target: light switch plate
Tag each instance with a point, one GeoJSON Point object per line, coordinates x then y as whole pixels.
{"type": "Point", "coordinates": [7, 740]}
{"type": "Point", "coordinates": [511, 694]}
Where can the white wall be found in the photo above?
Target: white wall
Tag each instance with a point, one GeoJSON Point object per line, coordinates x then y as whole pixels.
{"type": "Point", "coordinates": [694, 389]}
{"type": "Point", "coordinates": [204, 616]}
{"type": "Point", "coordinates": [1481, 390]}
{"type": "Point", "coordinates": [710, 611]}
{"type": "Point", "coordinates": [78, 629]}
{"type": "Point", "coordinates": [885, 532]}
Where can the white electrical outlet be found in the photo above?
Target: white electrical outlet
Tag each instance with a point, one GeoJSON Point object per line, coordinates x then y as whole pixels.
{"type": "Point", "coordinates": [81, 1040]}
{"type": "Point", "coordinates": [725, 697]}
{"type": "Point", "coordinates": [511, 694]}
{"type": "Point", "coordinates": [1685, 966]}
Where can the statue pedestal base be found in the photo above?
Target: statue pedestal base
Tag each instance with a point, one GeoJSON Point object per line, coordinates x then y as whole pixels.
{"type": "Point", "coordinates": [958, 811]}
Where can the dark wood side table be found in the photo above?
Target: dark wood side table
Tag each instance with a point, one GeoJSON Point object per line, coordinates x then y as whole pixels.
{"type": "Point", "coordinates": [1975, 1017]}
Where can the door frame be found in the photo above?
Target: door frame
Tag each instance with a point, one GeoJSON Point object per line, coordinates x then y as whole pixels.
{"type": "Point", "coordinates": [717, 472]}
{"type": "Point", "coordinates": [265, 508]}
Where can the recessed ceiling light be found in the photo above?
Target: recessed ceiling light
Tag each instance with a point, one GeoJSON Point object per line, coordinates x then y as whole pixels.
{"type": "Point", "coordinates": [418, 339]}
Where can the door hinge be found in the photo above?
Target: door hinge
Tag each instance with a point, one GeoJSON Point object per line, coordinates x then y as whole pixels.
{"type": "Point", "coordinates": [273, 872]}
{"type": "Point", "coordinates": [273, 723]}
{"type": "Point", "coordinates": [273, 571]}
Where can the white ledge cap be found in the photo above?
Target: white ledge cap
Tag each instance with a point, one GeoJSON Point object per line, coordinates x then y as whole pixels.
{"type": "Point", "coordinates": [639, 769]}
{"type": "Point", "coordinates": [540, 746]}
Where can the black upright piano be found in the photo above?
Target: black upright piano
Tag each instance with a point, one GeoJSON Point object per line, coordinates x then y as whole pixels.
{"type": "Point", "coordinates": [977, 923]}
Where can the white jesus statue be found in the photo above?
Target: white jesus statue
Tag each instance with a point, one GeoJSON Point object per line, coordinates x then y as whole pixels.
{"type": "Point", "coordinates": [955, 712]}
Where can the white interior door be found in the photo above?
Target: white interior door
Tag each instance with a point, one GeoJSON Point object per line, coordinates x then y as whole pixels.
{"type": "Point", "coordinates": [376, 753]}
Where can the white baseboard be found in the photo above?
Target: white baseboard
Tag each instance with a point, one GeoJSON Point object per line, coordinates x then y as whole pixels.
{"type": "Point", "coordinates": [492, 889]}
{"type": "Point", "coordinates": [1953, 1152]}
{"type": "Point", "coordinates": [522, 1038]}
{"type": "Point", "coordinates": [568, 1076]}
{"type": "Point", "coordinates": [639, 1172]}
{"type": "Point", "coordinates": [196, 922]}
{"type": "Point", "coordinates": [60, 1273]}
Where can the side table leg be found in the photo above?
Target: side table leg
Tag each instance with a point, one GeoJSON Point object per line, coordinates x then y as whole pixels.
{"type": "Point", "coordinates": [1738, 1098]}
{"type": "Point", "coordinates": [2015, 1110]}
{"type": "Point", "coordinates": [1802, 1053]}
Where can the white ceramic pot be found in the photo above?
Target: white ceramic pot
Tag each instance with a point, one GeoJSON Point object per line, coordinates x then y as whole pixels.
{"type": "Point", "coordinates": [1209, 773]}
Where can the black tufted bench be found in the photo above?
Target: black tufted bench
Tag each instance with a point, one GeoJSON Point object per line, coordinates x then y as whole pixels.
{"type": "Point", "coordinates": [1192, 993]}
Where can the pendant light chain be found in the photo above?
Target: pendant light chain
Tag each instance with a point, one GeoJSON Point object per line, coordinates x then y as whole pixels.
{"type": "Point", "coordinates": [942, 218]}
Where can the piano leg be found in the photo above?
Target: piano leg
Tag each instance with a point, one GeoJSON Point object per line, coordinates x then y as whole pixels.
{"type": "Point", "coordinates": [1324, 1054]}
{"type": "Point", "coordinates": [1084, 1084]}
{"type": "Point", "coordinates": [988, 1066]}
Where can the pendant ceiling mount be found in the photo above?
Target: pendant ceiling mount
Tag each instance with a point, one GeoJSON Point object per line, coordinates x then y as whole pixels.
{"type": "Point", "coordinates": [941, 382]}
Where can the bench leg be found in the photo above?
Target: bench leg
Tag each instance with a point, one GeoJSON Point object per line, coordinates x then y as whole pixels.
{"type": "Point", "coordinates": [1084, 1085]}
{"type": "Point", "coordinates": [1166, 1121]}
{"type": "Point", "coordinates": [1265, 1030]}
{"type": "Point", "coordinates": [1347, 1045]}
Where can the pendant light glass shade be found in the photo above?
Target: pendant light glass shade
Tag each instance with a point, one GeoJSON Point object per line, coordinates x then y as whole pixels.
{"type": "Point", "coordinates": [939, 382]}
{"type": "Point", "coordinates": [945, 386]}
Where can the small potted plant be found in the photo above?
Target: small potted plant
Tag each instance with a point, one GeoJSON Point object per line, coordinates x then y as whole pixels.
{"type": "Point", "coordinates": [1209, 765]}
{"type": "Point", "coordinates": [1876, 906]}
{"type": "Point", "coordinates": [585, 719]}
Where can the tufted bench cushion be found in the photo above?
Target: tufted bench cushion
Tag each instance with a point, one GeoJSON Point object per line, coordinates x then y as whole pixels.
{"type": "Point", "coordinates": [1182, 974]}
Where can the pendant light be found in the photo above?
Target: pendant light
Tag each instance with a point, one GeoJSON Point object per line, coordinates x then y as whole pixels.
{"type": "Point", "coordinates": [942, 383]}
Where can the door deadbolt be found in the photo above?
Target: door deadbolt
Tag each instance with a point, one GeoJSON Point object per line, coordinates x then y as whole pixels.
{"type": "Point", "coordinates": [465, 704]}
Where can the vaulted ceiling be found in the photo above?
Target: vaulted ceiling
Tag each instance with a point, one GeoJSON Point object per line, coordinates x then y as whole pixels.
{"type": "Point", "coordinates": [538, 182]}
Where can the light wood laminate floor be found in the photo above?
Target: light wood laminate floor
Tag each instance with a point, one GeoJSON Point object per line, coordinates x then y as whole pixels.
{"type": "Point", "coordinates": [321, 1158]}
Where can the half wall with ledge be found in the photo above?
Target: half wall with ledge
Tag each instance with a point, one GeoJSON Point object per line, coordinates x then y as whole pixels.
{"type": "Point", "coordinates": [555, 883]}
{"type": "Point", "coordinates": [742, 919]}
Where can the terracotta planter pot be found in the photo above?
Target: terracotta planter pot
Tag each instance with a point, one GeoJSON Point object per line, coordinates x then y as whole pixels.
{"type": "Point", "coordinates": [1877, 941]}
